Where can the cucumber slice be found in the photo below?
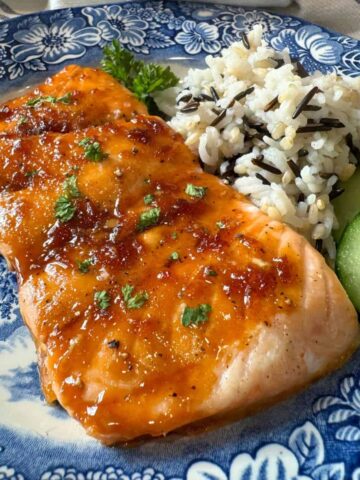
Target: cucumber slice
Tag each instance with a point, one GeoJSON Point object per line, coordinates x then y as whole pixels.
{"type": "Point", "coordinates": [348, 261]}
{"type": "Point", "coordinates": [348, 204]}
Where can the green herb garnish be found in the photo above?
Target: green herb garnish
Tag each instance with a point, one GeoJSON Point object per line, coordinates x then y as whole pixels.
{"type": "Point", "coordinates": [195, 316]}
{"type": "Point", "coordinates": [49, 99]}
{"type": "Point", "coordinates": [148, 218]}
{"type": "Point", "coordinates": [149, 198]}
{"type": "Point", "coordinates": [136, 301]}
{"type": "Point", "coordinates": [22, 120]}
{"type": "Point", "coordinates": [64, 209]}
{"type": "Point", "coordinates": [174, 235]}
{"type": "Point", "coordinates": [195, 191]}
{"type": "Point", "coordinates": [174, 256]}
{"type": "Point", "coordinates": [70, 186]}
{"type": "Point", "coordinates": [210, 272]}
{"type": "Point", "coordinates": [93, 150]}
{"type": "Point", "coordinates": [32, 173]}
{"type": "Point", "coordinates": [102, 299]}
{"type": "Point", "coordinates": [65, 98]}
{"type": "Point", "coordinates": [220, 225]}
{"type": "Point", "coordinates": [84, 265]}
{"type": "Point", "coordinates": [141, 78]}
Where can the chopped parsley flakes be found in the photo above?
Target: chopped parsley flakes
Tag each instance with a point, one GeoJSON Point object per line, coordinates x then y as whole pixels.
{"type": "Point", "coordinates": [22, 120]}
{"type": "Point", "coordinates": [92, 149]}
{"type": "Point", "coordinates": [195, 316]}
{"type": "Point", "coordinates": [210, 272]}
{"type": "Point", "coordinates": [102, 298]}
{"type": "Point", "coordinates": [70, 186]}
{"type": "Point", "coordinates": [33, 102]}
{"type": "Point", "coordinates": [174, 235]}
{"type": "Point", "coordinates": [32, 173]}
{"type": "Point", "coordinates": [195, 191]}
{"type": "Point", "coordinates": [174, 256]}
{"type": "Point", "coordinates": [148, 218]}
{"type": "Point", "coordinates": [220, 225]}
{"type": "Point", "coordinates": [149, 198]}
{"type": "Point", "coordinates": [84, 266]}
{"type": "Point", "coordinates": [133, 301]}
{"type": "Point", "coordinates": [64, 209]}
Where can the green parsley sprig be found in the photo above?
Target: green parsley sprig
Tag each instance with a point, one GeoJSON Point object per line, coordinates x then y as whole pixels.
{"type": "Point", "coordinates": [195, 315]}
{"type": "Point", "coordinates": [149, 218]}
{"type": "Point", "coordinates": [195, 191]}
{"type": "Point", "coordinates": [65, 208]}
{"type": "Point", "coordinates": [143, 79]}
{"type": "Point", "coordinates": [133, 301]}
{"type": "Point", "coordinates": [102, 299]}
{"type": "Point", "coordinates": [92, 149]}
{"type": "Point", "coordinates": [84, 265]}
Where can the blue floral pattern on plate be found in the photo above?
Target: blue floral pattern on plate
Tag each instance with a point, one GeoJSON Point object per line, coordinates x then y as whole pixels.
{"type": "Point", "coordinates": [314, 436]}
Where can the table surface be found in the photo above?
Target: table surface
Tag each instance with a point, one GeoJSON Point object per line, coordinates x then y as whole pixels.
{"type": "Point", "coordinates": [339, 15]}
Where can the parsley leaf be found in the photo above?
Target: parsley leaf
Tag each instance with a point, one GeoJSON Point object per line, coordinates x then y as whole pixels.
{"type": "Point", "coordinates": [102, 299]}
{"type": "Point", "coordinates": [84, 266]}
{"type": "Point", "coordinates": [220, 225]}
{"type": "Point", "coordinates": [149, 198]}
{"type": "Point", "coordinates": [120, 63]}
{"type": "Point", "coordinates": [49, 99]}
{"type": "Point", "coordinates": [22, 120]}
{"type": "Point", "coordinates": [210, 272]}
{"type": "Point", "coordinates": [148, 218]}
{"type": "Point", "coordinates": [195, 191]}
{"type": "Point", "coordinates": [64, 209]}
{"type": "Point", "coordinates": [174, 256]}
{"type": "Point", "coordinates": [67, 98]}
{"type": "Point", "coordinates": [93, 150]}
{"type": "Point", "coordinates": [195, 316]}
{"type": "Point", "coordinates": [136, 301]}
{"type": "Point", "coordinates": [70, 186]}
{"type": "Point", "coordinates": [141, 78]}
{"type": "Point", "coordinates": [174, 235]}
{"type": "Point", "coordinates": [32, 173]}
{"type": "Point", "coordinates": [152, 78]}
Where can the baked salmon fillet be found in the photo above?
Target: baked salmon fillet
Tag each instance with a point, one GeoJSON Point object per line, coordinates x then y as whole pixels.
{"type": "Point", "coordinates": [158, 296]}
{"type": "Point", "coordinates": [74, 98]}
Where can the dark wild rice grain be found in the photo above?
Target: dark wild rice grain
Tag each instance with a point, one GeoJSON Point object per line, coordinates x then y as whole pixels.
{"type": "Point", "coordinates": [313, 128]}
{"type": "Point", "coordinates": [336, 192]}
{"type": "Point", "coordinates": [318, 244]}
{"type": "Point", "coordinates": [214, 94]}
{"type": "Point", "coordinates": [294, 168]}
{"type": "Point", "coordinates": [184, 98]}
{"type": "Point", "coordinates": [271, 104]}
{"type": "Point", "coordinates": [258, 161]}
{"type": "Point", "coordinates": [353, 149]}
{"type": "Point", "coordinates": [245, 40]}
{"type": "Point", "coordinates": [264, 180]}
{"type": "Point", "coordinates": [302, 152]}
{"type": "Point", "coordinates": [311, 108]}
{"type": "Point", "coordinates": [305, 101]}
{"type": "Point", "coordinates": [218, 118]}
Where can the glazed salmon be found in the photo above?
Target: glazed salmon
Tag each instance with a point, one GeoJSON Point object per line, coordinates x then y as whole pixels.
{"type": "Point", "coordinates": [166, 298]}
{"type": "Point", "coordinates": [76, 97]}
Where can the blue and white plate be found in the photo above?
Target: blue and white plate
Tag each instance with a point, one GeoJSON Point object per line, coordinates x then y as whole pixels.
{"type": "Point", "coordinates": [315, 435]}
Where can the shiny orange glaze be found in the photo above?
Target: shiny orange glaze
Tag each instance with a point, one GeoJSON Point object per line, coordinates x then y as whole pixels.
{"type": "Point", "coordinates": [95, 98]}
{"type": "Point", "coordinates": [157, 374]}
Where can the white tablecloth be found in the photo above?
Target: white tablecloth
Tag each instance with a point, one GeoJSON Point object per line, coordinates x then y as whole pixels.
{"type": "Point", "coordinates": [340, 15]}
